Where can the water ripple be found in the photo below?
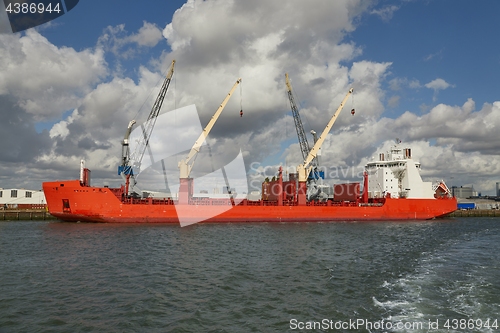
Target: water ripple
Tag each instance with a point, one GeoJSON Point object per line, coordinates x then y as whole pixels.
{"type": "Point", "coordinates": [68, 277]}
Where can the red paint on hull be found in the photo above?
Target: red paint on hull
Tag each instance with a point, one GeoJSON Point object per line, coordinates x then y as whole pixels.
{"type": "Point", "coordinates": [70, 201]}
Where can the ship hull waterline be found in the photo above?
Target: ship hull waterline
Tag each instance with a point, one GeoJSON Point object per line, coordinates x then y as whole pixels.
{"type": "Point", "coordinates": [72, 202]}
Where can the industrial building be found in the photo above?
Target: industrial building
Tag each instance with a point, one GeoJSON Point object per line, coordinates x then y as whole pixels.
{"type": "Point", "coordinates": [21, 199]}
{"type": "Point", "coordinates": [463, 191]}
{"type": "Point", "coordinates": [468, 198]}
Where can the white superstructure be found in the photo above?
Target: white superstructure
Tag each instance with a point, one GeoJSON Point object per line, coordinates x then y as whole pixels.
{"type": "Point", "coordinates": [397, 174]}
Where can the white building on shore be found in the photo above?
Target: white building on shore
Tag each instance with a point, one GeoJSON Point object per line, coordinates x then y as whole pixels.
{"type": "Point", "coordinates": [13, 198]}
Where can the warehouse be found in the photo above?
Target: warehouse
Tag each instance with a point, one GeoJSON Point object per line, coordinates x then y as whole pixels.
{"type": "Point", "coordinates": [21, 199]}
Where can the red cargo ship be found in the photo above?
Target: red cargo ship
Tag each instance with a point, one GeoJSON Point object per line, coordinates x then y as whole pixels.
{"type": "Point", "coordinates": [392, 189]}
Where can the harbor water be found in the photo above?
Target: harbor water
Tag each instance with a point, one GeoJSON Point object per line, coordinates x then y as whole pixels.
{"type": "Point", "coordinates": [439, 276]}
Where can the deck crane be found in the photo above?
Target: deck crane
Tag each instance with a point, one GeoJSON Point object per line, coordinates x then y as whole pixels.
{"type": "Point", "coordinates": [305, 168]}
{"type": "Point", "coordinates": [315, 138]}
{"type": "Point", "coordinates": [186, 165]}
{"type": "Point", "coordinates": [304, 145]}
{"type": "Point", "coordinates": [314, 180]}
{"type": "Point", "coordinates": [126, 170]}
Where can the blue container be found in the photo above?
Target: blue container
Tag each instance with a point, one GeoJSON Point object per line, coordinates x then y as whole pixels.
{"type": "Point", "coordinates": [466, 205]}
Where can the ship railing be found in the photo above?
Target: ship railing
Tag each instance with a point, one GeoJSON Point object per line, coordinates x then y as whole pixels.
{"type": "Point", "coordinates": [163, 201]}
{"type": "Point", "coordinates": [329, 203]}
{"type": "Point", "coordinates": [211, 202]}
{"type": "Point", "coordinates": [252, 202]}
{"type": "Point", "coordinates": [148, 201]}
{"type": "Point", "coordinates": [317, 203]}
{"type": "Point", "coordinates": [371, 204]}
{"type": "Point", "coordinates": [269, 203]}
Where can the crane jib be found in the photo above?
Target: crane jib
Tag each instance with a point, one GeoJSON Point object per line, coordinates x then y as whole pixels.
{"type": "Point", "coordinates": [126, 168]}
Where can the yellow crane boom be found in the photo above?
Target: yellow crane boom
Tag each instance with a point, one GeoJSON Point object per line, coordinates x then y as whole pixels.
{"type": "Point", "coordinates": [304, 169]}
{"type": "Point", "coordinates": [184, 166]}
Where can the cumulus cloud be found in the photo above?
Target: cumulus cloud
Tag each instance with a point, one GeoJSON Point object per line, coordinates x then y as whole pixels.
{"type": "Point", "coordinates": [214, 43]}
{"type": "Point", "coordinates": [149, 35]}
{"type": "Point", "coordinates": [438, 84]}
{"type": "Point", "coordinates": [46, 80]}
{"type": "Point", "coordinates": [385, 13]}
{"type": "Point", "coordinates": [414, 84]}
{"type": "Point", "coordinates": [41, 82]}
{"type": "Point", "coordinates": [117, 40]}
{"type": "Point", "coordinates": [393, 101]}
{"type": "Point", "coordinates": [400, 83]}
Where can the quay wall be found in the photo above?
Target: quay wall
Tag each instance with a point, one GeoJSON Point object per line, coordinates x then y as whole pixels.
{"type": "Point", "coordinates": [476, 213]}
{"type": "Point", "coordinates": [23, 215]}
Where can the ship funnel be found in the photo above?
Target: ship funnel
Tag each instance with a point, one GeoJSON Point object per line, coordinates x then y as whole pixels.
{"type": "Point", "coordinates": [82, 167]}
{"type": "Point", "coordinates": [84, 174]}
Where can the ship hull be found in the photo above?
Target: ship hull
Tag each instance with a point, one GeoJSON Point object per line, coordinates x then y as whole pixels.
{"type": "Point", "coordinates": [70, 201]}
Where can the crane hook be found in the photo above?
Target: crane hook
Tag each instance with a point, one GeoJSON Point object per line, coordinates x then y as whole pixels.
{"type": "Point", "coordinates": [241, 113]}
{"type": "Point", "coordinates": [353, 112]}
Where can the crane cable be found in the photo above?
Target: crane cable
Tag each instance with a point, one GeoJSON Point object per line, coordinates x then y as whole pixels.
{"type": "Point", "coordinates": [353, 109]}
{"type": "Point", "coordinates": [241, 100]}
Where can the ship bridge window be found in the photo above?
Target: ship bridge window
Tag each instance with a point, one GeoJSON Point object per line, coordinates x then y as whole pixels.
{"type": "Point", "coordinates": [28, 194]}
{"type": "Point", "coordinates": [13, 193]}
{"type": "Point", "coordinates": [1, 192]}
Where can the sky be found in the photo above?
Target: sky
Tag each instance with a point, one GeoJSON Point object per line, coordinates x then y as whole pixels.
{"type": "Point", "coordinates": [422, 71]}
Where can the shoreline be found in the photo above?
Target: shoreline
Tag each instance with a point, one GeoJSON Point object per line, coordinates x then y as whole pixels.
{"type": "Point", "coordinates": [476, 213]}
{"type": "Point", "coordinates": [22, 215]}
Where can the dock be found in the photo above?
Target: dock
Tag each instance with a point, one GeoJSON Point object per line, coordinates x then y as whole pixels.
{"type": "Point", "coordinates": [476, 213]}
{"type": "Point", "coordinates": [25, 215]}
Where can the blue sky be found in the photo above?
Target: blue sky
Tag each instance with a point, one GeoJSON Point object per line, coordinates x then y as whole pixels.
{"type": "Point", "coordinates": [429, 39]}
{"type": "Point", "coordinates": [423, 71]}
